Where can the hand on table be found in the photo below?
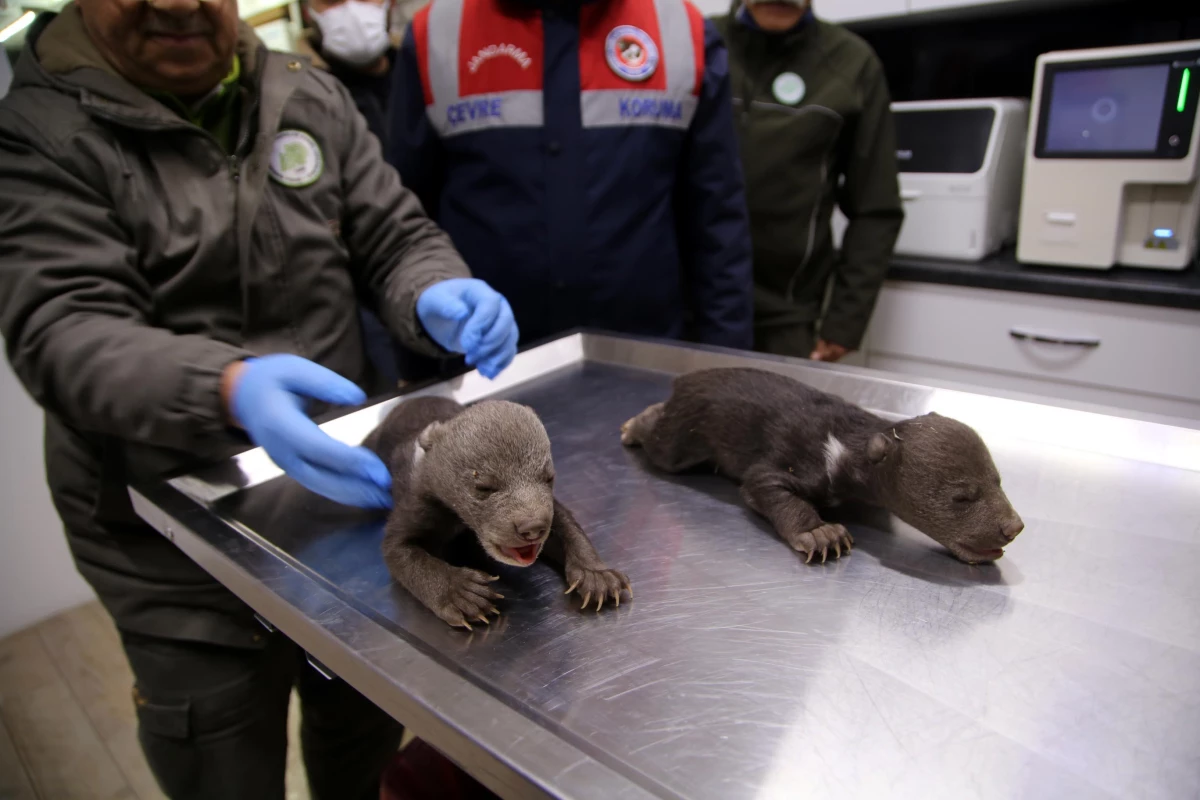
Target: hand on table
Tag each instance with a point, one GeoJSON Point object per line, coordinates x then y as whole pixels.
{"type": "Point", "coordinates": [828, 351]}
{"type": "Point", "coordinates": [266, 396]}
{"type": "Point", "coordinates": [465, 315]}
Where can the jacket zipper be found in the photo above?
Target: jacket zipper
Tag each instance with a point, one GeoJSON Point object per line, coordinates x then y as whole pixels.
{"type": "Point", "coordinates": [810, 245]}
{"type": "Point", "coordinates": [235, 162]}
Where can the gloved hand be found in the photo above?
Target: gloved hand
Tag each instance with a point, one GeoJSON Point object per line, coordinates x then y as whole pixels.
{"type": "Point", "coordinates": [267, 396]}
{"type": "Point", "coordinates": [465, 315]}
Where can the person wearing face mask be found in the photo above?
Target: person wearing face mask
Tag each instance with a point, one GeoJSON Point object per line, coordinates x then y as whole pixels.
{"type": "Point", "coordinates": [352, 40]}
{"type": "Point", "coordinates": [811, 106]}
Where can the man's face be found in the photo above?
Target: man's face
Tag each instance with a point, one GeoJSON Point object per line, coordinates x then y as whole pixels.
{"type": "Point", "coordinates": [180, 46]}
{"type": "Point", "coordinates": [777, 16]}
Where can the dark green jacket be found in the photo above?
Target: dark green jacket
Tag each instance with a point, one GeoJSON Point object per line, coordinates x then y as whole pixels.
{"type": "Point", "coordinates": [138, 260]}
{"type": "Point", "coordinates": [795, 156]}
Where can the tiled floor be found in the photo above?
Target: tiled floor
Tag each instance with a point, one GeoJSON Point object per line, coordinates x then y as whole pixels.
{"type": "Point", "coordinates": [67, 724]}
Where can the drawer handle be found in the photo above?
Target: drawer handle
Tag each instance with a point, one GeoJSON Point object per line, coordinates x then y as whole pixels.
{"type": "Point", "coordinates": [322, 670]}
{"type": "Point", "coordinates": [1060, 217]}
{"type": "Point", "coordinates": [1071, 341]}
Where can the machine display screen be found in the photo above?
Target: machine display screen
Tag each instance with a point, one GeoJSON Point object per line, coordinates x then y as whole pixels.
{"type": "Point", "coordinates": [1112, 110]}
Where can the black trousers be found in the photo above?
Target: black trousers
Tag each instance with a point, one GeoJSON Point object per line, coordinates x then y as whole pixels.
{"type": "Point", "coordinates": [213, 722]}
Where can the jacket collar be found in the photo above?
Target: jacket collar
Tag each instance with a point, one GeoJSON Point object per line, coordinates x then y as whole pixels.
{"type": "Point", "coordinates": [744, 24]}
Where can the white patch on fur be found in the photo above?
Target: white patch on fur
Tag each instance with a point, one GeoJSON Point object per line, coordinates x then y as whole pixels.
{"type": "Point", "coordinates": [835, 451]}
{"type": "Point", "coordinates": [418, 454]}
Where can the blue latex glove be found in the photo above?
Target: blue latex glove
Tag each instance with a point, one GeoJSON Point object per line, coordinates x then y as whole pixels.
{"type": "Point", "coordinates": [268, 401]}
{"type": "Point", "coordinates": [465, 315]}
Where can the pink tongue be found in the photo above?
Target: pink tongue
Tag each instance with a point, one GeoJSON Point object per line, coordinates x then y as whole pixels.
{"type": "Point", "coordinates": [527, 553]}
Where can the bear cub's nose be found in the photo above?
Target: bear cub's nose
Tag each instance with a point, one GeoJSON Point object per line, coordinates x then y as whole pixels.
{"type": "Point", "coordinates": [531, 529]}
{"type": "Point", "coordinates": [1012, 528]}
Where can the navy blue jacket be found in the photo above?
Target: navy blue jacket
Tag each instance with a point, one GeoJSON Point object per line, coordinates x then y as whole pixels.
{"type": "Point", "coordinates": [632, 228]}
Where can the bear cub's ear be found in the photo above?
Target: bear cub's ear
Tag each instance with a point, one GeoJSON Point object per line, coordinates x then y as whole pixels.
{"type": "Point", "coordinates": [433, 431]}
{"type": "Point", "coordinates": [880, 447]}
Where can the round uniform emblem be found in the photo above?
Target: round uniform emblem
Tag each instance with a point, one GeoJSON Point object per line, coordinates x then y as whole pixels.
{"type": "Point", "coordinates": [788, 88]}
{"type": "Point", "coordinates": [296, 159]}
{"type": "Point", "coordinates": [631, 53]}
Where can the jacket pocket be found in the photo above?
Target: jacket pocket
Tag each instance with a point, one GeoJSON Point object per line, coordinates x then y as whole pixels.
{"type": "Point", "coordinates": [167, 720]}
{"type": "Point", "coordinates": [189, 691]}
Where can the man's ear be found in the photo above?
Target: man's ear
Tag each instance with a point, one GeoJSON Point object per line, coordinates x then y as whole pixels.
{"type": "Point", "coordinates": [880, 446]}
{"type": "Point", "coordinates": [426, 439]}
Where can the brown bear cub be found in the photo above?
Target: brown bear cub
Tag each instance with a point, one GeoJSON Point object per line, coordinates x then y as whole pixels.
{"type": "Point", "coordinates": [793, 449]}
{"type": "Point", "coordinates": [486, 468]}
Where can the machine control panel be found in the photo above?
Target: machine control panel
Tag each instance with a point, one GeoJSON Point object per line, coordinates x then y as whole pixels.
{"type": "Point", "coordinates": [1139, 108]}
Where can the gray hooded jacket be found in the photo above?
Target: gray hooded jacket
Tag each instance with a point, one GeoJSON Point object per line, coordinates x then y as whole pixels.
{"type": "Point", "coordinates": [138, 259]}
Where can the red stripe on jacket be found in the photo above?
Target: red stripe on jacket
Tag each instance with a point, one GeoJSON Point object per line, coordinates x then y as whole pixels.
{"type": "Point", "coordinates": [500, 48]}
{"type": "Point", "coordinates": [696, 20]}
{"type": "Point", "coordinates": [420, 28]}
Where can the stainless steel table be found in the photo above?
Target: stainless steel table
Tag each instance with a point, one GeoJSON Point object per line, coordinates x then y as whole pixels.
{"type": "Point", "coordinates": [1070, 669]}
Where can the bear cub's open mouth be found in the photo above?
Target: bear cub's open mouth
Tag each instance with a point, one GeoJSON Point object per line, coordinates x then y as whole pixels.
{"type": "Point", "coordinates": [524, 555]}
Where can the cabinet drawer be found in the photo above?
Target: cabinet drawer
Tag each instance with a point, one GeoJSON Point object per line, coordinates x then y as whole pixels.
{"type": "Point", "coordinates": [1140, 349]}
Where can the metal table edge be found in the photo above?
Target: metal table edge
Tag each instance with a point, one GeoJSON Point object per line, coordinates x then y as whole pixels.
{"type": "Point", "coordinates": [445, 707]}
{"type": "Point", "coordinates": [442, 715]}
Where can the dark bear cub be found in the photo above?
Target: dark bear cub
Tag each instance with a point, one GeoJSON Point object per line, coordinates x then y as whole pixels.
{"type": "Point", "coordinates": [793, 448]}
{"type": "Point", "coordinates": [485, 468]}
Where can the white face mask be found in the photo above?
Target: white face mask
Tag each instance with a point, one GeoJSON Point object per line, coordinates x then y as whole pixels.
{"type": "Point", "coordinates": [354, 32]}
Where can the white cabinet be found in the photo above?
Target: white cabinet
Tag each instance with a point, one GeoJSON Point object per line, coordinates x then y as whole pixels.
{"type": "Point", "coordinates": [1114, 354]}
{"type": "Point", "coordinates": [917, 6]}
{"type": "Point", "coordinates": [5, 72]}
{"type": "Point", "coordinates": [860, 10]}
{"type": "Point", "coordinates": [851, 10]}
{"type": "Point", "coordinates": [712, 8]}
{"type": "Point", "coordinates": [37, 576]}
{"type": "Point", "coordinates": [937, 5]}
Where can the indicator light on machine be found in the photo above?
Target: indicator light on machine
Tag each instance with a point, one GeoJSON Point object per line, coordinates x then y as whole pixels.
{"type": "Point", "coordinates": [1162, 239]}
{"type": "Point", "coordinates": [1181, 103]}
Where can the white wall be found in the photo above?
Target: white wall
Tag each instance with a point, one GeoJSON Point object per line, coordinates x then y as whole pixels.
{"type": "Point", "coordinates": [713, 8]}
{"type": "Point", "coordinates": [37, 577]}
{"type": "Point", "coordinates": [6, 74]}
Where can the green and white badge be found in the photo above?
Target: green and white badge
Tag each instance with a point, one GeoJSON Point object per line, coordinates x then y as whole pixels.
{"type": "Point", "coordinates": [788, 88]}
{"type": "Point", "coordinates": [296, 159]}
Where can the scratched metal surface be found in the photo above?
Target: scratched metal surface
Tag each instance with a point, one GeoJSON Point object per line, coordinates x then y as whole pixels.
{"type": "Point", "coordinates": [1069, 669]}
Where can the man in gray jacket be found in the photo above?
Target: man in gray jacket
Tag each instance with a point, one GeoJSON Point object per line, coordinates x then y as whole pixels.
{"type": "Point", "coordinates": [187, 225]}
